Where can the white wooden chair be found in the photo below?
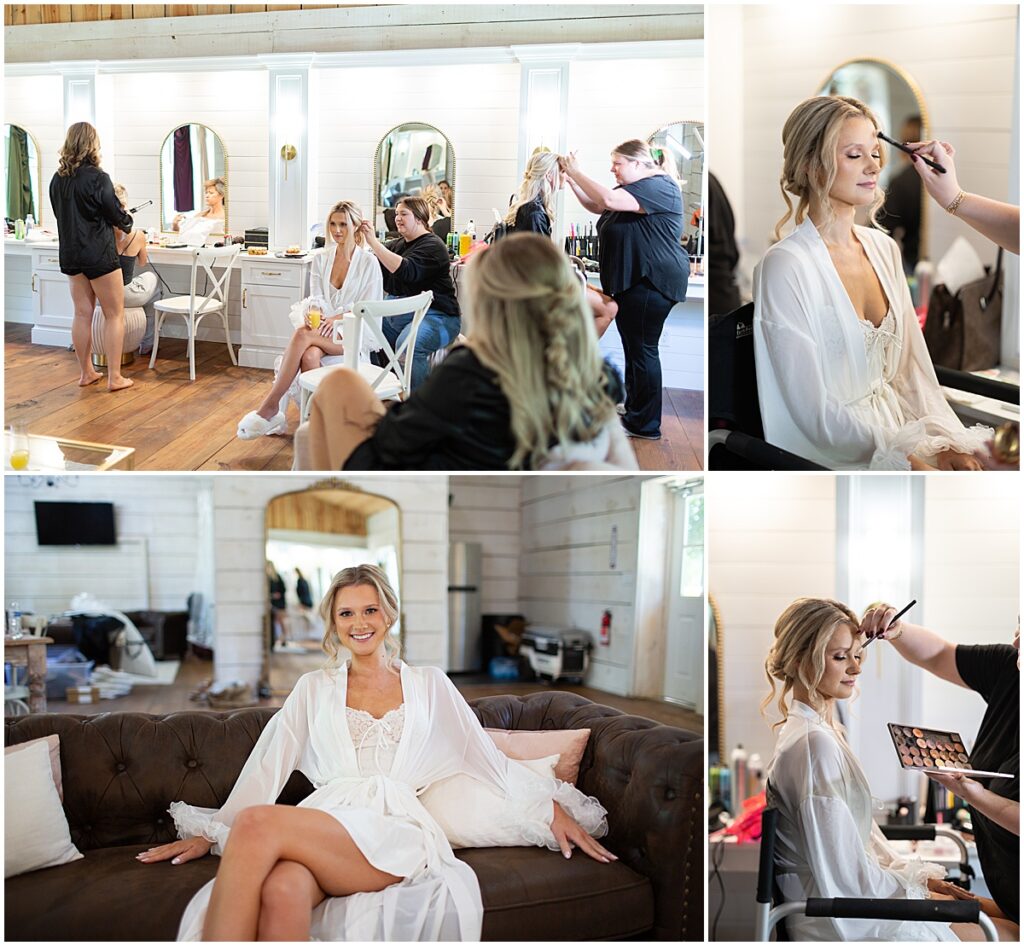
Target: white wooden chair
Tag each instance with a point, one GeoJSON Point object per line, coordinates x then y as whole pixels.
{"type": "Point", "coordinates": [394, 380]}
{"type": "Point", "coordinates": [194, 308]}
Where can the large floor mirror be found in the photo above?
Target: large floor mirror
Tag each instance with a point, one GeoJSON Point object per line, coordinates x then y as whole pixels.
{"type": "Point", "coordinates": [311, 535]}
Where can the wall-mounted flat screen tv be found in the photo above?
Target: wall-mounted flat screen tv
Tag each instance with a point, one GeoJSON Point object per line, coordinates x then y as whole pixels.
{"type": "Point", "coordinates": [75, 524]}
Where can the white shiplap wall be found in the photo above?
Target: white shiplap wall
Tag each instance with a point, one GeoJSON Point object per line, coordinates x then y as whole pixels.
{"type": "Point", "coordinates": [157, 530]}
{"type": "Point", "coordinates": [961, 56]}
{"type": "Point", "coordinates": [239, 504]}
{"type": "Point", "coordinates": [971, 580]}
{"type": "Point", "coordinates": [485, 509]}
{"type": "Point", "coordinates": [476, 106]}
{"type": "Point", "coordinates": [565, 579]}
{"type": "Point", "coordinates": [771, 538]}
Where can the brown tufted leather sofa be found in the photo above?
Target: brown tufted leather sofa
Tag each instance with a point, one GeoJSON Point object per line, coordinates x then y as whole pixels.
{"type": "Point", "coordinates": [122, 770]}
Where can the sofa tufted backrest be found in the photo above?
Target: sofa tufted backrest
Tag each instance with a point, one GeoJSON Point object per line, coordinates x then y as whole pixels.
{"type": "Point", "coordinates": [121, 771]}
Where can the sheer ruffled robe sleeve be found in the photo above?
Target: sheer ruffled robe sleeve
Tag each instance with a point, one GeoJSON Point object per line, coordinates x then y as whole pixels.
{"type": "Point", "coordinates": [918, 389]}
{"type": "Point", "coordinates": [793, 372]}
{"type": "Point", "coordinates": [842, 861]}
{"type": "Point", "coordinates": [275, 756]}
{"type": "Point", "coordinates": [529, 795]}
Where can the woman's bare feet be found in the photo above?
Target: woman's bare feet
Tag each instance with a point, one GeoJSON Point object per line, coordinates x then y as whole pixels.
{"type": "Point", "coordinates": [89, 378]}
{"type": "Point", "coordinates": [119, 383]}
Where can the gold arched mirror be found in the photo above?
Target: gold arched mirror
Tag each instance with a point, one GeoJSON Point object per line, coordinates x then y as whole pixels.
{"type": "Point", "coordinates": [24, 173]}
{"type": "Point", "coordinates": [897, 102]}
{"type": "Point", "coordinates": [194, 180]}
{"type": "Point", "coordinates": [679, 149]}
{"type": "Point", "coordinates": [311, 535]}
{"type": "Point", "coordinates": [716, 684]}
{"type": "Point", "coordinates": [414, 160]}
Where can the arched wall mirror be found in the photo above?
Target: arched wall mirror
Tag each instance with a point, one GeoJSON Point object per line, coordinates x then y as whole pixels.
{"type": "Point", "coordinates": [311, 535]}
{"type": "Point", "coordinates": [897, 102]}
{"type": "Point", "coordinates": [716, 685]}
{"type": "Point", "coordinates": [679, 148]}
{"type": "Point", "coordinates": [193, 179]}
{"type": "Point", "coordinates": [24, 173]}
{"type": "Point", "coordinates": [414, 160]}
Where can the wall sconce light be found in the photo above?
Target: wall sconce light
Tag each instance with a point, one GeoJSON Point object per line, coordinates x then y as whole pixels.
{"type": "Point", "coordinates": [288, 153]}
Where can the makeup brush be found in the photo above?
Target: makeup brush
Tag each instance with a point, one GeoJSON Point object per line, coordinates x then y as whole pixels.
{"type": "Point", "coordinates": [892, 622]}
{"type": "Point", "coordinates": [906, 150]}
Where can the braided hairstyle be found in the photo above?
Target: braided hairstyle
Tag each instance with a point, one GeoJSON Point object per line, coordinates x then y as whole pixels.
{"type": "Point", "coordinates": [528, 321]}
{"type": "Point", "coordinates": [810, 139]}
{"type": "Point", "coordinates": [802, 634]}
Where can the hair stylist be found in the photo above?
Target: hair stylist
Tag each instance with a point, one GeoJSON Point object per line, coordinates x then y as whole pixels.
{"type": "Point", "coordinates": [992, 670]}
{"type": "Point", "coordinates": [643, 267]}
{"type": "Point", "coordinates": [87, 211]}
{"type": "Point", "coordinates": [415, 262]}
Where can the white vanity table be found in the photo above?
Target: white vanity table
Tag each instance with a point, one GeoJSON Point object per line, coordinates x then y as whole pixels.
{"type": "Point", "coordinates": [262, 290]}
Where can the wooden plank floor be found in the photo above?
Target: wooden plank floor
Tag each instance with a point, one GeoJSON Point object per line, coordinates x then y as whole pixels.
{"type": "Point", "coordinates": [174, 698]}
{"type": "Point", "coordinates": [175, 424]}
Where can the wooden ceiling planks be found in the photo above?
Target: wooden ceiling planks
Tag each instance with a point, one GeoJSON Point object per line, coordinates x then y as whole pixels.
{"type": "Point", "coordinates": [33, 14]}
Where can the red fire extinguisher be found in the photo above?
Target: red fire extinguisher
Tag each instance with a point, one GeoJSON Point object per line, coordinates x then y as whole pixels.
{"type": "Point", "coordinates": [606, 628]}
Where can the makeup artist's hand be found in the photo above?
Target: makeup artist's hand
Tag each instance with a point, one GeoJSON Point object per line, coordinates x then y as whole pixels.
{"type": "Point", "coordinates": [961, 786]}
{"type": "Point", "coordinates": [877, 622]}
{"type": "Point", "coordinates": [569, 834]}
{"type": "Point", "coordinates": [955, 460]}
{"type": "Point", "coordinates": [942, 187]}
{"type": "Point", "coordinates": [365, 228]}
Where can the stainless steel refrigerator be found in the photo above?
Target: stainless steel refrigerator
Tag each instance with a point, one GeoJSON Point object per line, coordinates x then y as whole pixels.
{"type": "Point", "coordinates": [465, 647]}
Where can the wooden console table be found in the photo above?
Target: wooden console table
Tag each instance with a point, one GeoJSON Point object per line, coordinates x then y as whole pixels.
{"type": "Point", "coordinates": [30, 652]}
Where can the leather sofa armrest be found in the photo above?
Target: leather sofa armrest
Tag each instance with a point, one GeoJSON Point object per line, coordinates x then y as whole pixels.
{"type": "Point", "coordinates": [650, 778]}
{"type": "Point", "coordinates": [652, 783]}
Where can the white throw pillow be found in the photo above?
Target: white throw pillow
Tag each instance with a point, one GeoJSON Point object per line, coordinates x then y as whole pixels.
{"type": "Point", "coordinates": [36, 833]}
{"type": "Point", "coordinates": [473, 814]}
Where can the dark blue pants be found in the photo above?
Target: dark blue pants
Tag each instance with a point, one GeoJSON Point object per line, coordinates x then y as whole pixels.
{"type": "Point", "coordinates": [437, 330]}
{"type": "Point", "coordinates": [641, 318]}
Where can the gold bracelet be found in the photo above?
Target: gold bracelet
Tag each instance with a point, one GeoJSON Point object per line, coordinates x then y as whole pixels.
{"type": "Point", "coordinates": [952, 208]}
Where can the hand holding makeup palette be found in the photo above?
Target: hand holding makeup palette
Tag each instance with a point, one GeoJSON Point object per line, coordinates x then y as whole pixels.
{"type": "Point", "coordinates": [935, 750]}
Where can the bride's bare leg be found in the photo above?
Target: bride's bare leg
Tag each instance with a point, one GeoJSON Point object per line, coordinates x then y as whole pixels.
{"type": "Point", "coordinates": [1008, 931]}
{"type": "Point", "coordinates": [264, 836]}
{"type": "Point", "coordinates": [301, 341]}
{"type": "Point", "coordinates": [289, 895]}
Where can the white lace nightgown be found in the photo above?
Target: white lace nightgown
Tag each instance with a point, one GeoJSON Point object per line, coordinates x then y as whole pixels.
{"type": "Point", "coordinates": [828, 391]}
{"type": "Point", "coordinates": [828, 844]}
{"type": "Point", "coordinates": [368, 773]}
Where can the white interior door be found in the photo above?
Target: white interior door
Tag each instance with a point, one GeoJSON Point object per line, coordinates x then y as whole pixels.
{"type": "Point", "coordinates": [684, 644]}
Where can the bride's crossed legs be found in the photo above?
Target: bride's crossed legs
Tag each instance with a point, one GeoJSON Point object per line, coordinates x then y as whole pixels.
{"type": "Point", "coordinates": [304, 352]}
{"type": "Point", "coordinates": [279, 863]}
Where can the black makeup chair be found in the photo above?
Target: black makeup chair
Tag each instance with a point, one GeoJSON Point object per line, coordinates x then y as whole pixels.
{"type": "Point", "coordinates": [735, 431]}
{"type": "Point", "coordinates": [771, 911]}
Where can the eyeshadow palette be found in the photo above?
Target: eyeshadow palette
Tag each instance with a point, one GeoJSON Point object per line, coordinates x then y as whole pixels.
{"type": "Point", "coordinates": [934, 750]}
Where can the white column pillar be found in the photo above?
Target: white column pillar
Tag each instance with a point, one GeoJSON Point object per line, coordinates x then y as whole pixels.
{"type": "Point", "coordinates": [80, 94]}
{"type": "Point", "coordinates": [289, 179]}
{"type": "Point", "coordinates": [544, 105]}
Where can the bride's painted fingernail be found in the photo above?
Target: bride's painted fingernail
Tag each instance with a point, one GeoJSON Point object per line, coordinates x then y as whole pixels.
{"type": "Point", "coordinates": [177, 860]}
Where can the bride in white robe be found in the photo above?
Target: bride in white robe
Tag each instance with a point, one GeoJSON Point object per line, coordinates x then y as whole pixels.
{"type": "Point", "coordinates": [367, 772]}
{"type": "Point", "coordinates": [828, 844]}
{"type": "Point", "coordinates": [837, 387]}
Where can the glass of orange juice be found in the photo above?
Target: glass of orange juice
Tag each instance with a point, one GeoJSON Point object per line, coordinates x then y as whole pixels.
{"type": "Point", "coordinates": [17, 445]}
{"type": "Point", "coordinates": [314, 315]}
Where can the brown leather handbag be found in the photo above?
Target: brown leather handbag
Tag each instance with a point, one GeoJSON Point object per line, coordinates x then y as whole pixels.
{"type": "Point", "coordinates": [963, 331]}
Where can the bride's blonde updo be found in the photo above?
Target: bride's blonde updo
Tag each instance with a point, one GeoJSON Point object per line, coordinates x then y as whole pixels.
{"type": "Point", "coordinates": [528, 321]}
{"type": "Point", "coordinates": [809, 141]}
{"type": "Point", "coordinates": [802, 634]}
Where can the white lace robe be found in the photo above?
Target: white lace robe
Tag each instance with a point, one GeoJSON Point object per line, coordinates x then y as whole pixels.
{"type": "Point", "coordinates": [826, 393]}
{"type": "Point", "coordinates": [439, 897]}
{"type": "Point", "coordinates": [828, 844]}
